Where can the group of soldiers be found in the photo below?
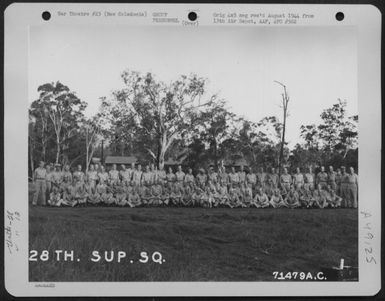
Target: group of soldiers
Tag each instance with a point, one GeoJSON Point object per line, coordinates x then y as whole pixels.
{"type": "Point", "coordinates": [135, 187]}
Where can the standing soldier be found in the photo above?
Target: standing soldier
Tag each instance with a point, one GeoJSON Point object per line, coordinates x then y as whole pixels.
{"type": "Point", "coordinates": [170, 176]}
{"type": "Point", "coordinates": [298, 179]}
{"type": "Point", "coordinates": [322, 178]}
{"type": "Point", "coordinates": [102, 175]}
{"type": "Point", "coordinates": [147, 177]}
{"type": "Point", "coordinates": [233, 177]}
{"type": "Point", "coordinates": [251, 180]}
{"type": "Point", "coordinates": [48, 179]}
{"type": "Point", "coordinates": [201, 179]}
{"type": "Point", "coordinates": [137, 176]}
{"type": "Point", "coordinates": [332, 178]}
{"type": "Point", "coordinates": [57, 176]}
{"type": "Point", "coordinates": [78, 176]}
{"type": "Point", "coordinates": [242, 175]}
{"type": "Point", "coordinates": [223, 176]}
{"type": "Point", "coordinates": [309, 179]}
{"type": "Point", "coordinates": [113, 175]}
{"type": "Point", "coordinates": [343, 187]}
{"type": "Point", "coordinates": [338, 181]}
{"type": "Point", "coordinates": [212, 175]}
{"type": "Point", "coordinates": [352, 188]}
{"type": "Point", "coordinates": [189, 178]}
{"type": "Point", "coordinates": [131, 171]}
{"type": "Point", "coordinates": [153, 173]}
{"type": "Point", "coordinates": [125, 175]}
{"type": "Point", "coordinates": [39, 179]}
{"type": "Point", "coordinates": [162, 175]}
{"type": "Point", "coordinates": [285, 180]}
{"type": "Point", "coordinates": [92, 176]}
{"type": "Point", "coordinates": [67, 176]}
{"type": "Point", "coordinates": [273, 177]}
{"type": "Point", "coordinates": [180, 177]}
{"type": "Point", "coordinates": [261, 178]}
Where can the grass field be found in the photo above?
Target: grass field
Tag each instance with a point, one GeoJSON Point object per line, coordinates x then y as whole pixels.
{"type": "Point", "coordinates": [198, 244]}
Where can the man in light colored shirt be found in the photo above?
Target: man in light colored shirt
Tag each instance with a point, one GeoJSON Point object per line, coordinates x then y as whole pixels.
{"type": "Point", "coordinates": [39, 179]}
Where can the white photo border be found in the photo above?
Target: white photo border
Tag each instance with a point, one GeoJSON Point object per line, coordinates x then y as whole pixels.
{"type": "Point", "coordinates": [18, 17]}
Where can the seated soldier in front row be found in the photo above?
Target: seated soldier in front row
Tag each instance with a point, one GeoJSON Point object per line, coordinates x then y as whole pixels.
{"type": "Point", "coordinates": [55, 197]}
{"type": "Point", "coordinates": [156, 191]}
{"type": "Point", "coordinates": [332, 199]}
{"type": "Point", "coordinates": [176, 195]}
{"type": "Point", "coordinates": [120, 196]}
{"type": "Point", "coordinates": [93, 195]}
{"type": "Point", "coordinates": [306, 197]}
{"type": "Point", "coordinates": [69, 195]}
{"type": "Point", "coordinates": [134, 197]}
{"type": "Point", "coordinates": [261, 200]}
{"type": "Point", "coordinates": [277, 201]}
{"type": "Point", "coordinates": [224, 196]}
{"type": "Point", "coordinates": [247, 195]}
{"type": "Point", "coordinates": [81, 194]}
{"type": "Point", "coordinates": [187, 199]}
{"type": "Point", "coordinates": [107, 197]}
{"type": "Point", "coordinates": [320, 197]}
{"type": "Point", "coordinates": [292, 198]}
{"type": "Point", "coordinates": [166, 193]}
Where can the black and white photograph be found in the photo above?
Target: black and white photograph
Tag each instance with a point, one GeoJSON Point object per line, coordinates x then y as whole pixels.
{"type": "Point", "coordinates": [170, 153]}
{"type": "Point", "coordinates": [222, 161]}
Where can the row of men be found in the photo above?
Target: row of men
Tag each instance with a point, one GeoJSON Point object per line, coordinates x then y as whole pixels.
{"type": "Point", "coordinates": [192, 195]}
{"type": "Point", "coordinates": [343, 183]}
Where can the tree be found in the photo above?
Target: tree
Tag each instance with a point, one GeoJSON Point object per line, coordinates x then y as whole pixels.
{"type": "Point", "coordinates": [63, 109]}
{"type": "Point", "coordinates": [285, 102]}
{"type": "Point", "coordinates": [216, 128]}
{"type": "Point", "coordinates": [332, 139]}
{"type": "Point", "coordinates": [91, 131]}
{"type": "Point", "coordinates": [162, 112]}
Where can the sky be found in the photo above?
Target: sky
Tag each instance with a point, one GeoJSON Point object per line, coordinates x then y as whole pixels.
{"type": "Point", "coordinates": [317, 64]}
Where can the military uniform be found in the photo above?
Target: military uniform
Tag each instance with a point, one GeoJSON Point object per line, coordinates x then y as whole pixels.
{"type": "Point", "coordinates": [322, 179]}
{"type": "Point", "coordinates": [179, 176]}
{"type": "Point", "coordinates": [223, 178]}
{"type": "Point", "coordinates": [40, 185]}
{"type": "Point", "coordinates": [286, 180]}
{"type": "Point", "coordinates": [92, 176]}
{"type": "Point", "coordinates": [332, 181]}
{"type": "Point", "coordinates": [103, 177]}
{"type": "Point", "coordinates": [234, 178]}
{"type": "Point", "coordinates": [309, 181]}
{"type": "Point", "coordinates": [298, 180]}
{"type": "Point", "coordinates": [137, 177]}
{"type": "Point", "coordinates": [352, 190]}
{"type": "Point", "coordinates": [171, 178]}
{"type": "Point", "coordinates": [113, 176]}
{"type": "Point", "coordinates": [125, 176]}
{"type": "Point", "coordinates": [189, 178]}
{"type": "Point", "coordinates": [213, 177]}
{"type": "Point", "coordinates": [147, 178]}
{"type": "Point", "coordinates": [273, 177]}
{"type": "Point", "coordinates": [201, 180]}
{"type": "Point", "coordinates": [251, 180]}
{"type": "Point", "coordinates": [261, 179]}
{"type": "Point", "coordinates": [242, 177]}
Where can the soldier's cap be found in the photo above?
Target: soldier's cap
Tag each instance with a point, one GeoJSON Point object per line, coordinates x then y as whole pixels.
{"type": "Point", "coordinates": [343, 167]}
{"type": "Point", "coordinates": [57, 165]}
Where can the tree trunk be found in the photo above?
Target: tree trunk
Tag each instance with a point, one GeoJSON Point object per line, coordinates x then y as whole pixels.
{"type": "Point", "coordinates": [57, 151]}
{"type": "Point", "coordinates": [87, 162]}
{"type": "Point", "coordinates": [283, 139]}
{"type": "Point", "coordinates": [215, 154]}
